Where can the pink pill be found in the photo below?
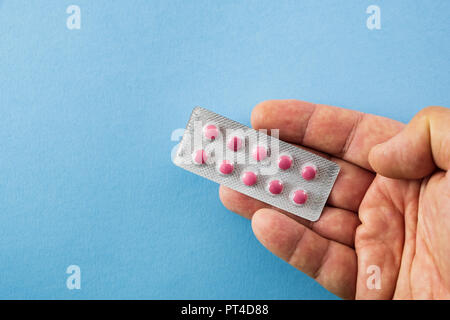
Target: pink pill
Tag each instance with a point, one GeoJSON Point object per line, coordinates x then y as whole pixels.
{"type": "Point", "coordinates": [299, 196]}
{"type": "Point", "coordinates": [275, 187]}
{"type": "Point", "coordinates": [309, 172]}
{"type": "Point", "coordinates": [249, 178]}
{"type": "Point", "coordinates": [226, 167]}
{"type": "Point", "coordinates": [200, 157]}
{"type": "Point", "coordinates": [259, 153]}
{"type": "Point", "coordinates": [211, 131]}
{"type": "Point", "coordinates": [284, 162]}
{"type": "Point", "coordinates": [234, 143]}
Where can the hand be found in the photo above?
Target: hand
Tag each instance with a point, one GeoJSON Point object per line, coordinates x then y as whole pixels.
{"type": "Point", "coordinates": [389, 207]}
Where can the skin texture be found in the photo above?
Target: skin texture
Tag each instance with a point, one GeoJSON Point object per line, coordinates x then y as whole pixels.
{"type": "Point", "coordinates": [389, 207]}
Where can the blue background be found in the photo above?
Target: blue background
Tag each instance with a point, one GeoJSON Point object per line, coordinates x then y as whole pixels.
{"type": "Point", "coordinates": [86, 118]}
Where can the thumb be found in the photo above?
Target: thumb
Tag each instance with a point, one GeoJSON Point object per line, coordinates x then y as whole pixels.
{"type": "Point", "coordinates": [418, 149]}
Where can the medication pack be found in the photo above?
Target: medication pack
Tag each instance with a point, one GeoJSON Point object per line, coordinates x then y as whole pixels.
{"type": "Point", "coordinates": [256, 164]}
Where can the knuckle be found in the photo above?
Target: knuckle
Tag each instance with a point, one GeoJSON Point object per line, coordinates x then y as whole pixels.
{"type": "Point", "coordinates": [257, 116]}
{"type": "Point", "coordinates": [432, 110]}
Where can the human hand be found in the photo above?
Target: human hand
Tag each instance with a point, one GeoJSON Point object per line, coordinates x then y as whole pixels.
{"type": "Point", "coordinates": [389, 207]}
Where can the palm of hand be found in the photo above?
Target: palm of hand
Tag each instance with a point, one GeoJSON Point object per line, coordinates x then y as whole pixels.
{"type": "Point", "coordinates": [398, 227]}
{"type": "Point", "coordinates": [403, 231]}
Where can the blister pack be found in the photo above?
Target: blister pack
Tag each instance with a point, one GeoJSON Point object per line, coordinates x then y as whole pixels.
{"type": "Point", "coordinates": [256, 164]}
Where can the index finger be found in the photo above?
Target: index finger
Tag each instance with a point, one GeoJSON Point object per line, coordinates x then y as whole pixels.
{"type": "Point", "coordinates": [343, 133]}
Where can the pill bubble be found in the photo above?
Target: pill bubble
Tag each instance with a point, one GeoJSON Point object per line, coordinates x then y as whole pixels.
{"type": "Point", "coordinates": [275, 187]}
{"type": "Point", "coordinates": [235, 143]}
{"type": "Point", "coordinates": [309, 172]}
{"type": "Point", "coordinates": [285, 162]}
{"type": "Point", "coordinates": [211, 131]}
{"type": "Point", "coordinates": [199, 157]}
{"type": "Point", "coordinates": [299, 197]}
{"type": "Point", "coordinates": [226, 167]}
{"type": "Point", "coordinates": [249, 178]}
{"type": "Point", "coordinates": [259, 153]}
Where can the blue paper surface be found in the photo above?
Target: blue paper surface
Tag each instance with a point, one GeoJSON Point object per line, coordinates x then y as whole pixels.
{"type": "Point", "coordinates": [86, 118]}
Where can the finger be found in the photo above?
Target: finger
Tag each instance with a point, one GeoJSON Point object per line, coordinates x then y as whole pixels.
{"type": "Point", "coordinates": [334, 224]}
{"type": "Point", "coordinates": [239, 202]}
{"type": "Point", "coordinates": [331, 264]}
{"type": "Point", "coordinates": [350, 186]}
{"type": "Point", "coordinates": [416, 151]}
{"type": "Point", "coordinates": [380, 239]}
{"type": "Point", "coordinates": [343, 133]}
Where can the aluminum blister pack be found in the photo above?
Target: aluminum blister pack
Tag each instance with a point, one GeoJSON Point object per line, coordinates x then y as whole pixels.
{"type": "Point", "coordinates": [256, 164]}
